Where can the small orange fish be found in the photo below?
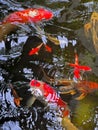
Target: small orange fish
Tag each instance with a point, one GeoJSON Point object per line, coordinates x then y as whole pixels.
{"type": "Point", "coordinates": [35, 50]}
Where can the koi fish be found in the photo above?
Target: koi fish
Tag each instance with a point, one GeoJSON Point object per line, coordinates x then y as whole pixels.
{"type": "Point", "coordinates": [90, 29]}
{"type": "Point", "coordinates": [88, 86]}
{"type": "Point", "coordinates": [46, 94]}
{"type": "Point", "coordinates": [49, 49]}
{"type": "Point", "coordinates": [28, 15]}
{"type": "Point", "coordinates": [17, 99]}
{"type": "Point", "coordinates": [32, 15]}
{"type": "Point", "coordinates": [82, 86]}
{"type": "Point", "coordinates": [85, 87]}
{"type": "Point", "coordinates": [78, 68]}
{"type": "Point", "coordinates": [35, 50]}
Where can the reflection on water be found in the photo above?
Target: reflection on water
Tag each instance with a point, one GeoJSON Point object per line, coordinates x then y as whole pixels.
{"type": "Point", "coordinates": [17, 67]}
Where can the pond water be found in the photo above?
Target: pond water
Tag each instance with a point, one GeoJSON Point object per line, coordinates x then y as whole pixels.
{"type": "Point", "coordinates": [18, 68]}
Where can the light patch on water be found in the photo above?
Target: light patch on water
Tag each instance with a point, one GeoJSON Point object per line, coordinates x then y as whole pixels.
{"type": "Point", "coordinates": [20, 40]}
{"type": "Point", "coordinates": [28, 73]}
{"type": "Point", "coordinates": [63, 41]}
{"type": "Point", "coordinates": [11, 125]}
{"type": "Point", "coordinates": [13, 5]}
{"type": "Point", "coordinates": [1, 79]}
{"type": "Point", "coordinates": [9, 98]}
{"type": "Point", "coordinates": [2, 47]}
{"type": "Point", "coordinates": [89, 5]}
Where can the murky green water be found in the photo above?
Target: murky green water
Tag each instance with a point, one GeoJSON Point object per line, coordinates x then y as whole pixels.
{"type": "Point", "coordinates": [17, 67]}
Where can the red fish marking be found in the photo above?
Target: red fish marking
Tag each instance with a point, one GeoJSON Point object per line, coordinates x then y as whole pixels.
{"type": "Point", "coordinates": [45, 92]}
{"type": "Point", "coordinates": [78, 68]}
{"type": "Point", "coordinates": [28, 15]}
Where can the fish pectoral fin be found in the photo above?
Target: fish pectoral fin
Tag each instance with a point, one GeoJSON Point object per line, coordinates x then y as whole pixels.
{"type": "Point", "coordinates": [81, 96]}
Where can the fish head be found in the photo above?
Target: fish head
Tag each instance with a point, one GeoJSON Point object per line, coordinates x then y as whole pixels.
{"type": "Point", "coordinates": [43, 92]}
{"type": "Point", "coordinates": [36, 88]}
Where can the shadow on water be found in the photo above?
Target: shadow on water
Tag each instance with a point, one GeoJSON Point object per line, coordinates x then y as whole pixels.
{"type": "Point", "coordinates": [18, 68]}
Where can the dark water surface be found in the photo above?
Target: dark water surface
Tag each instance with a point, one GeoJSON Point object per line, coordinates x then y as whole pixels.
{"type": "Point", "coordinates": [18, 68]}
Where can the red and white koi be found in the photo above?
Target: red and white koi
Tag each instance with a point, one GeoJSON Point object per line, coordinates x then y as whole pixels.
{"type": "Point", "coordinates": [32, 15]}
{"type": "Point", "coordinates": [28, 15]}
{"type": "Point", "coordinates": [46, 94]}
